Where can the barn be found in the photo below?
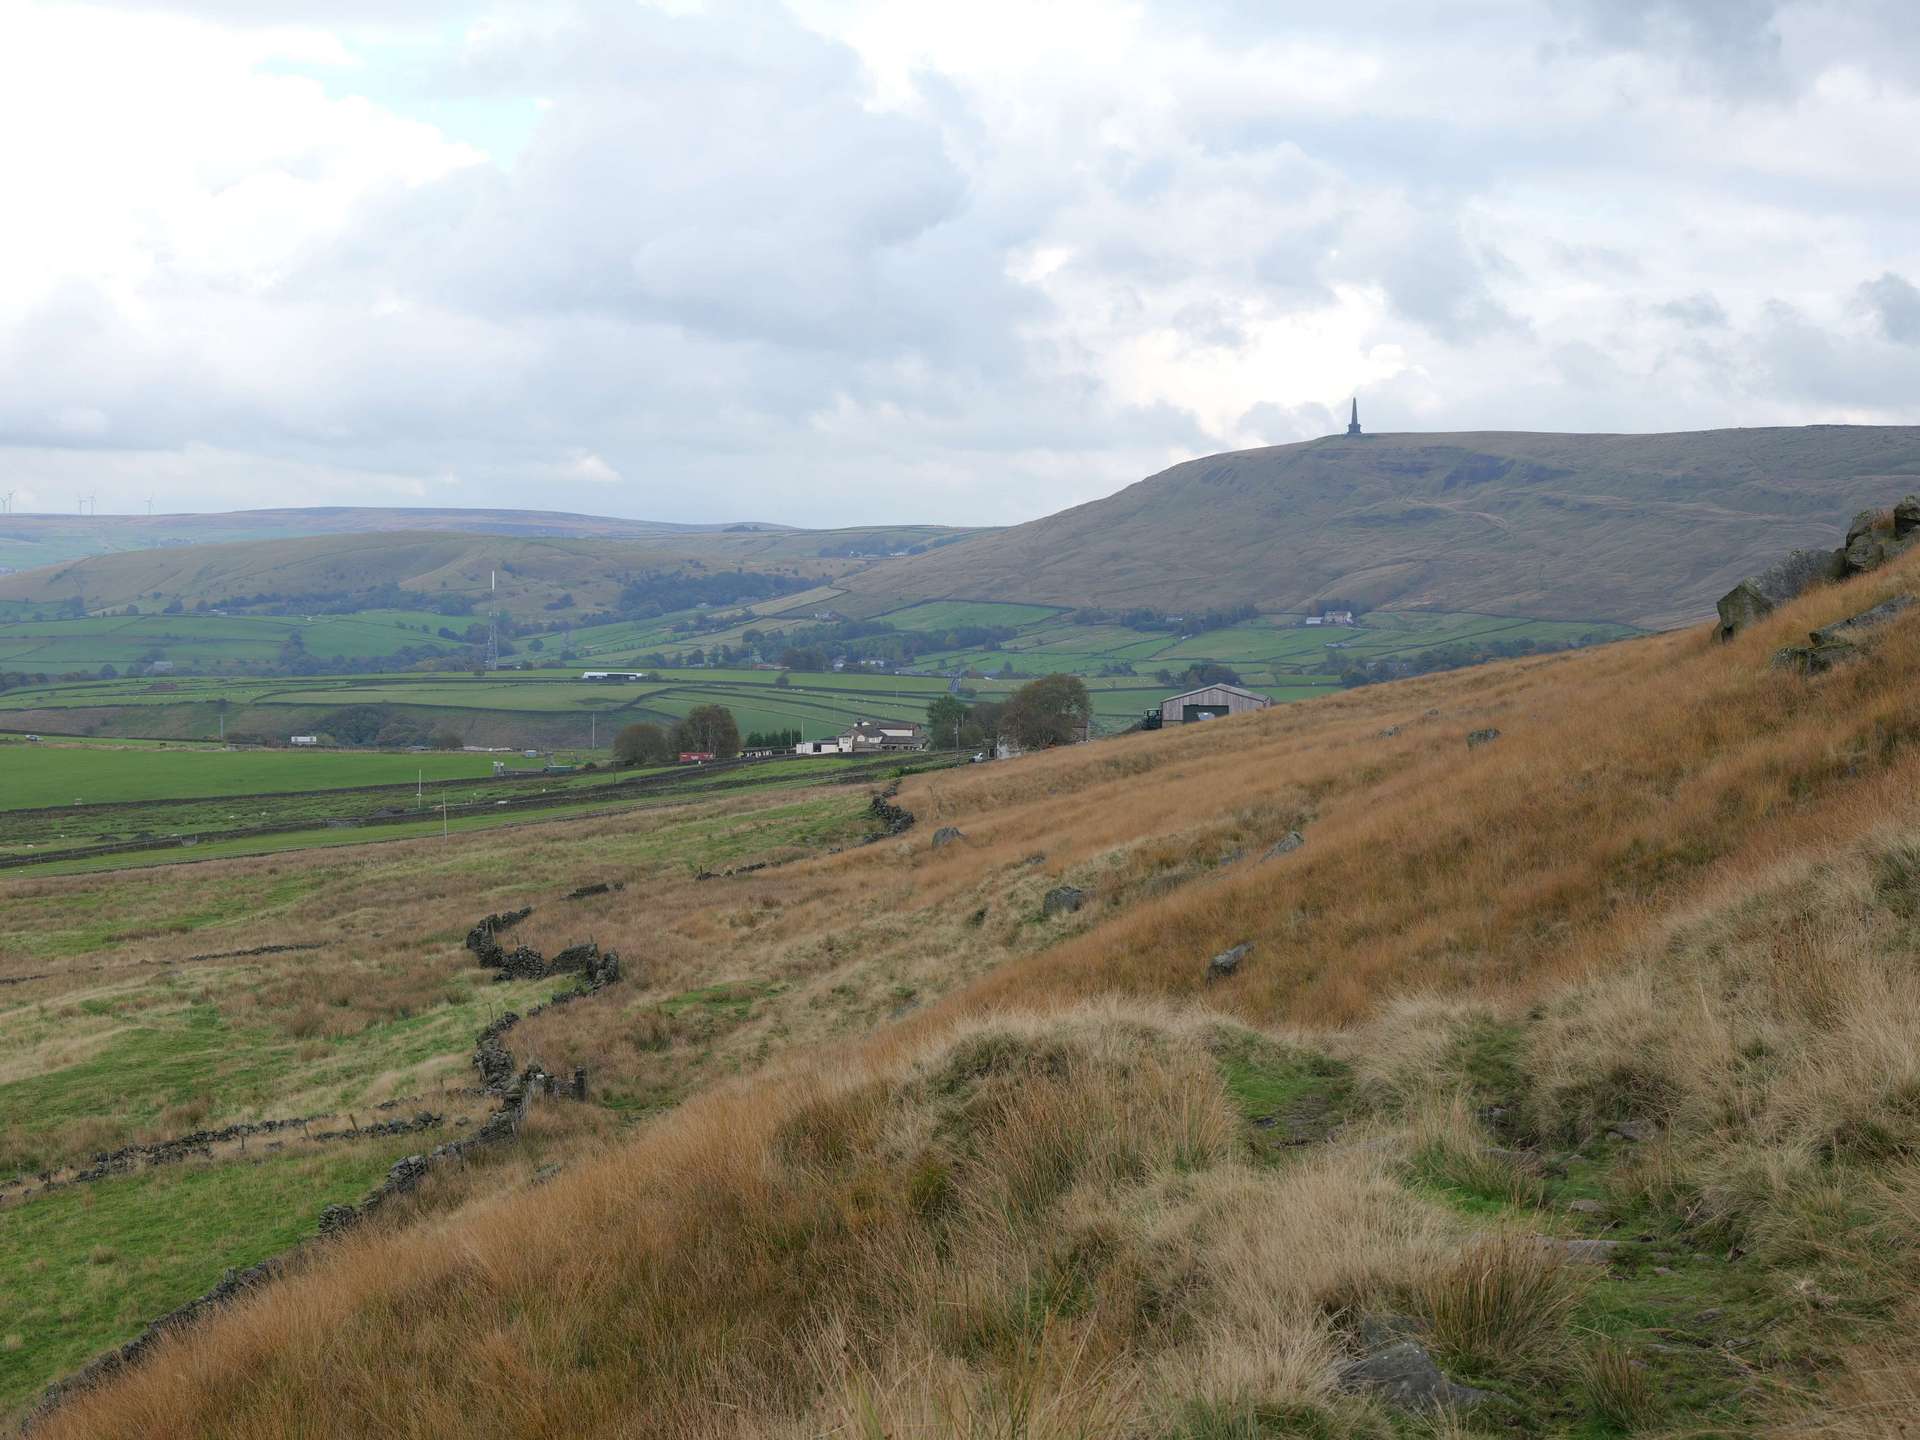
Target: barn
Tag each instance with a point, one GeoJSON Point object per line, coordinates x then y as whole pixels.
{"type": "Point", "coordinates": [1210, 702]}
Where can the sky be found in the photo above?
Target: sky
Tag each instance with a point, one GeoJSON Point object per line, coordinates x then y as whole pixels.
{"type": "Point", "coordinates": [831, 262]}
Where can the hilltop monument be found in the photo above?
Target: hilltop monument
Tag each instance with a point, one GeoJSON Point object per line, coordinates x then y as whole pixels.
{"type": "Point", "coordinates": [1353, 425]}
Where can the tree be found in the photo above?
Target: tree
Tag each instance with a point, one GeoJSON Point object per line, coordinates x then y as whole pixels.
{"type": "Point", "coordinates": [642, 744]}
{"type": "Point", "coordinates": [708, 730]}
{"type": "Point", "coordinates": [446, 738]}
{"type": "Point", "coordinates": [946, 720]}
{"type": "Point", "coordinates": [1055, 710]}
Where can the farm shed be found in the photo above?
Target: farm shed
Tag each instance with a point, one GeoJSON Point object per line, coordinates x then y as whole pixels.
{"type": "Point", "coordinates": [1210, 702]}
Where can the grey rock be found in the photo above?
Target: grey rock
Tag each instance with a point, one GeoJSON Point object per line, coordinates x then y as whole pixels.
{"type": "Point", "coordinates": [1636, 1132]}
{"type": "Point", "coordinates": [1816, 659]}
{"type": "Point", "coordinates": [1477, 738]}
{"type": "Point", "coordinates": [1864, 553]}
{"type": "Point", "coordinates": [335, 1218]}
{"type": "Point", "coordinates": [1285, 845]}
{"type": "Point", "coordinates": [1758, 595]}
{"type": "Point", "coordinates": [946, 835]}
{"type": "Point", "coordinates": [1388, 733]}
{"type": "Point", "coordinates": [1403, 1375]}
{"type": "Point", "coordinates": [1228, 961]}
{"type": "Point", "coordinates": [1063, 900]}
{"type": "Point", "coordinates": [1586, 1207]}
{"type": "Point", "coordinates": [1906, 517]}
{"type": "Point", "coordinates": [1865, 620]}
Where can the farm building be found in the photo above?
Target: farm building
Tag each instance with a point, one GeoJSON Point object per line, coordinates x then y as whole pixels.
{"type": "Point", "coordinates": [1210, 702]}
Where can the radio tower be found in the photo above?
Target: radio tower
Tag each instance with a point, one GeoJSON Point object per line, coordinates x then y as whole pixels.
{"type": "Point", "coordinates": [493, 634]}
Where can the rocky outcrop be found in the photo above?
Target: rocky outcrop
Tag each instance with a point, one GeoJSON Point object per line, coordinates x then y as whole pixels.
{"type": "Point", "coordinates": [946, 835]}
{"type": "Point", "coordinates": [1227, 962]}
{"type": "Point", "coordinates": [1872, 539]}
{"type": "Point", "coordinates": [1397, 1370]}
{"type": "Point", "coordinates": [1841, 641]}
{"type": "Point", "coordinates": [1477, 738]}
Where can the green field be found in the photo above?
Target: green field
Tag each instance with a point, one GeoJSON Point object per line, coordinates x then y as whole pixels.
{"type": "Point", "coordinates": [50, 773]}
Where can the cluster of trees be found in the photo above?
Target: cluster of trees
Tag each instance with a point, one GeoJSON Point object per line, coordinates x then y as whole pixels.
{"type": "Point", "coordinates": [1053, 710]}
{"type": "Point", "coordinates": [705, 729]}
{"type": "Point", "coordinates": [385, 727]}
{"type": "Point", "coordinates": [1204, 672]}
{"type": "Point", "coordinates": [773, 739]}
{"type": "Point", "coordinates": [656, 593]}
{"type": "Point", "coordinates": [1193, 622]}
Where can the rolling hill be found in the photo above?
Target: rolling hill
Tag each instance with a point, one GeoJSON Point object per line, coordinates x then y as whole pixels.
{"type": "Point", "coordinates": [529, 569]}
{"type": "Point", "coordinates": [1645, 530]}
{"type": "Point", "coordinates": [29, 542]}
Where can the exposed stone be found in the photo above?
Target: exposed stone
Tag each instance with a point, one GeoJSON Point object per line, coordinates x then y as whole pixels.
{"type": "Point", "coordinates": [1816, 659]}
{"type": "Point", "coordinates": [1864, 553]}
{"type": "Point", "coordinates": [1404, 1376]}
{"type": "Point", "coordinates": [1758, 595]}
{"type": "Point", "coordinates": [1285, 845]}
{"type": "Point", "coordinates": [1063, 900]}
{"type": "Point", "coordinates": [1586, 1207]}
{"type": "Point", "coordinates": [1477, 738]}
{"type": "Point", "coordinates": [1388, 733]}
{"type": "Point", "coordinates": [335, 1218]}
{"type": "Point", "coordinates": [1635, 1132]}
{"type": "Point", "coordinates": [584, 891]}
{"type": "Point", "coordinates": [946, 835]}
{"type": "Point", "coordinates": [1906, 517]}
{"type": "Point", "coordinates": [1863, 524]}
{"type": "Point", "coordinates": [1865, 620]}
{"type": "Point", "coordinates": [1228, 961]}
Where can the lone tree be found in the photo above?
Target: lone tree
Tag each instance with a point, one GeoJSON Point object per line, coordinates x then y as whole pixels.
{"type": "Point", "coordinates": [642, 744]}
{"type": "Point", "coordinates": [446, 738]}
{"type": "Point", "coordinates": [1055, 710]}
{"type": "Point", "coordinates": [710, 730]}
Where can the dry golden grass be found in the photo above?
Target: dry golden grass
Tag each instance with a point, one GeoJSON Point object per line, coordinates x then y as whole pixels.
{"type": "Point", "coordinates": [1684, 883]}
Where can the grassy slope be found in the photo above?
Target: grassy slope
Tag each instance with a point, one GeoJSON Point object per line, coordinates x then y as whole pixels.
{"type": "Point", "coordinates": [1678, 892]}
{"type": "Point", "coordinates": [1641, 529]}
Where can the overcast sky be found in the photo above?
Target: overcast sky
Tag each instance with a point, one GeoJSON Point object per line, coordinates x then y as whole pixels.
{"type": "Point", "coordinates": [836, 261]}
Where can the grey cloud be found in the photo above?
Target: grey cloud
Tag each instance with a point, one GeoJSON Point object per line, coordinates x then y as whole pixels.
{"type": "Point", "coordinates": [1895, 304]}
{"type": "Point", "coordinates": [1734, 43]}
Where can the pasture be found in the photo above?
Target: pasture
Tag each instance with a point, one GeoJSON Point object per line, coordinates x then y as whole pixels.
{"type": "Point", "coordinates": [54, 773]}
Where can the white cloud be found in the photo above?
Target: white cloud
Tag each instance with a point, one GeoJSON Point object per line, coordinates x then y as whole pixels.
{"type": "Point", "coordinates": [837, 260]}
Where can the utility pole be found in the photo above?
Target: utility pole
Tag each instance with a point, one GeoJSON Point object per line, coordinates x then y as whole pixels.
{"type": "Point", "coordinates": [443, 819]}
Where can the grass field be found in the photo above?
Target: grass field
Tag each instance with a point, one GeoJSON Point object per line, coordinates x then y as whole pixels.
{"type": "Point", "coordinates": [52, 773]}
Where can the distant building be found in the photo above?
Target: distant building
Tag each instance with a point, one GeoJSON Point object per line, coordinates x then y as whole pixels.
{"type": "Point", "coordinates": [303, 739]}
{"type": "Point", "coordinates": [1337, 617]}
{"type": "Point", "coordinates": [1210, 702]}
{"type": "Point", "coordinates": [160, 667]}
{"type": "Point", "coordinates": [614, 676]}
{"type": "Point", "coordinates": [1353, 425]}
{"type": "Point", "coordinates": [695, 757]}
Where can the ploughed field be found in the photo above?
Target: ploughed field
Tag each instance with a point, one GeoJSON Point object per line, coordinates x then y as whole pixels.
{"type": "Point", "coordinates": [1313, 1072]}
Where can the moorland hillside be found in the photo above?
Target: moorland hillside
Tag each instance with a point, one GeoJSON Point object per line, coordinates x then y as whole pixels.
{"type": "Point", "coordinates": [1562, 1078]}
{"type": "Point", "coordinates": [1643, 530]}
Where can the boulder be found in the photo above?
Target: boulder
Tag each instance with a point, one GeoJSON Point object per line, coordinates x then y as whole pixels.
{"type": "Point", "coordinates": [1585, 1252]}
{"type": "Point", "coordinates": [1906, 517]}
{"type": "Point", "coordinates": [1816, 659]}
{"type": "Point", "coordinates": [1758, 595]}
{"type": "Point", "coordinates": [1864, 553]}
{"type": "Point", "coordinates": [1404, 1376]}
{"type": "Point", "coordinates": [1863, 524]}
{"type": "Point", "coordinates": [1477, 738]}
{"type": "Point", "coordinates": [1865, 620]}
{"type": "Point", "coordinates": [1285, 845]}
{"type": "Point", "coordinates": [946, 835]}
{"type": "Point", "coordinates": [1228, 961]}
{"type": "Point", "coordinates": [1063, 900]}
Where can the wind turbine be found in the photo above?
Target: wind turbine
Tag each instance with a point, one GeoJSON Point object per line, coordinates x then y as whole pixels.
{"type": "Point", "coordinates": [9, 502]}
{"type": "Point", "coordinates": [149, 504]}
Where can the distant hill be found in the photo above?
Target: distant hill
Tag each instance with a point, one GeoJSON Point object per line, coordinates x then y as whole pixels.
{"type": "Point", "coordinates": [529, 569]}
{"type": "Point", "coordinates": [32, 541]}
{"type": "Point", "coordinates": [1639, 529]}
